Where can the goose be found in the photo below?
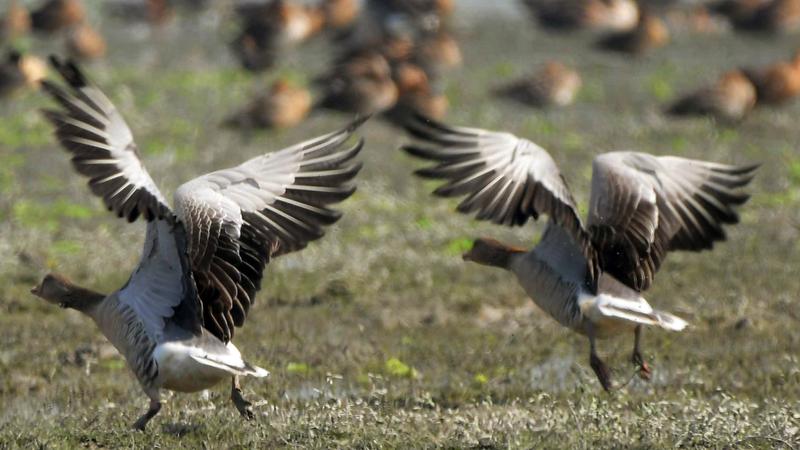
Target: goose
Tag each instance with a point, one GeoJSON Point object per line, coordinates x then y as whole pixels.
{"type": "Point", "coordinates": [283, 106]}
{"type": "Point", "coordinates": [555, 84]}
{"type": "Point", "coordinates": [649, 34]}
{"type": "Point", "coordinates": [202, 262]}
{"type": "Point", "coordinates": [781, 16]}
{"type": "Point", "coordinates": [55, 15]}
{"type": "Point", "coordinates": [438, 53]}
{"type": "Point", "coordinates": [589, 277]}
{"type": "Point", "coordinates": [85, 43]}
{"type": "Point", "coordinates": [416, 94]}
{"type": "Point", "coordinates": [19, 71]}
{"type": "Point", "coordinates": [16, 22]}
{"type": "Point", "coordinates": [340, 14]}
{"type": "Point", "coordinates": [729, 99]}
{"type": "Point", "coordinates": [777, 83]}
{"type": "Point", "coordinates": [361, 84]}
{"type": "Point", "coordinates": [154, 12]}
{"type": "Point", "coordinates": [616, 15]}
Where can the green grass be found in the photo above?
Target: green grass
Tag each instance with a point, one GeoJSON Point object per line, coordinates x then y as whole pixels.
{"type": "Point", "coordinates": [379, 335]}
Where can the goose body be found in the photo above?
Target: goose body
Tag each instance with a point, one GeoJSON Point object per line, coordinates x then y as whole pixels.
{"type": "Point", "coordinates": [55, 15]}
{"type": "Point", "coordinates": [617, 15]}
{"type": "Point", "coordinates": [361, 84]}
{"type": "Point", "coordinates": [776, 83]}
{"type": "Point", "coordinates": [203, 260]}
{"type": "Point", "coordinates": [16, 22]}
{"type": "Point", "coordinates": [730, 98]}
{"type": "Point", "coordinates": [649, 34]}
{"type": "Point", "coordinates": [588, 277]}
{"type": "Point", "coordinates": [555, 84]}
{"type": "Point", "coordinates": [283, 106]}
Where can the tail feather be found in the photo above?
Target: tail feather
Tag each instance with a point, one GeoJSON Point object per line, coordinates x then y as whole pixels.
{"type": "Point", "coordinates": [639, 312]}
{"type": "Point", "coordinates": [670, 321]}
{"type": "Point", "coordinates": [243, 368]}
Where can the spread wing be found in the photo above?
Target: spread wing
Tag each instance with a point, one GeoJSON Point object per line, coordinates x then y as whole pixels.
{"type": "Point", "coordinates": [93, 131]}
{"type": "Point", "coordinates": [643, 206]}
{"type": "Point", "coordinates": [505, 179]}
{"type": "Point", "coordinates": [239, 218]}
{"type": "Point", "coordinates": [162, 287]}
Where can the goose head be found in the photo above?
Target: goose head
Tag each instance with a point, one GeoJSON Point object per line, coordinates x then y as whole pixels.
{"type": "Point", "coordinates": [54, 288]}
{"type": "Point", "coordinates": [59, 290]}
{"type": "Point", "coordinates": [491, 252]}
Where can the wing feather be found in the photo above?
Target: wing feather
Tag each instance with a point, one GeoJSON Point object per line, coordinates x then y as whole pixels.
{"type": "Point", "coordinates": [240, 218]}
{"type": "Point", "coordinates": [643, 206]}
{"type": "Point", "coordinates": [102, 147]}
{"type": "Point", "coordinates": [506, 179]}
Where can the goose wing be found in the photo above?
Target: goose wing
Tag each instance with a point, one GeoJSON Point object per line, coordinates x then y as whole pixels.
{"type": "Point", "coordinates": [90, 128]}
{"type": "Point", "coordinates": [506, 179]}
{"type": "Point", "coordinates": [643, 206]}
{"type": "Point", "coordinates": [237, 219]}
{"type": "Point", "coordinates": [162, 287]}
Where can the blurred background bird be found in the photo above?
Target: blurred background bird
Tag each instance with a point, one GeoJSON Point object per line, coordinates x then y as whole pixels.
{"type": "Point", "coordinates": [555, 84]}
{"type": "Point", "coordinates": [16, 21]}
{"type": "Point", "coordinates": [18, 71]}
{"type": "Point", "coordinates": [649, 34]}
{"type": "Point", "coordinates": [729, 99]}
{"type": "Point", "coordinates": [57, 15]}
{"type": "Point", "coordinates": [282, 106]}
{"type": "Point", "coordinates": [776, 83]}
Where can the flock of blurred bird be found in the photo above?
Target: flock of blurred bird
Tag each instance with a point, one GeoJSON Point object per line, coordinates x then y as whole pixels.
{"type": "Point", "coordinates": [394, 53]}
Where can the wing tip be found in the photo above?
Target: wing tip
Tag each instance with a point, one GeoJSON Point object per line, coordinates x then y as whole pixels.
{"type": "Point", "coordinates": [69, 71]}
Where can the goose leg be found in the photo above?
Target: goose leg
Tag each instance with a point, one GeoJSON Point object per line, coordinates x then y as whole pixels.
{"type": "Point", "coordinates": [644, 369]}
{"type": "Point", "coordinates": [155, 407]}
{"type": "Point", "coordinates": [242, 405]}
{"type": "Point", "coordinates": [599, 367]}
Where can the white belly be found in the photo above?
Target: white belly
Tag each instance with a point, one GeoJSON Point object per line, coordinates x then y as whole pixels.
{"type": "Point", "coordinates": [611, 315]}
{"type": "Point", "coordinates": [179, 371]}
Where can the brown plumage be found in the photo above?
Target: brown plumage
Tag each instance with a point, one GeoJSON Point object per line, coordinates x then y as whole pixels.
{"type": "Point", "coordinates": [555, 84]}
{"type": "Point", "coordinates": [764, 15]}
{"type": "Point", "coordinates": [19, 71]}
{"type": "Point", "coordinates": [16, 22]}
{"type": "Point", "coordinates": [778, 82]}
{"type": "Point", "coordinates": [283, 106]}
{"type": "Point", "coordinates": [340, 14]}
{"type": "Point", "coordinates": [650, 33]}
{"type": "Point", "coordinates": [153, 12]}
{"type": "Point", "coordinates": [729, 99]}
{"type": "Point", "coordinates": [282, 22]}
{"type": "Point", "coordinates": [55, 15]}
{"type": "Point", "coordinates": [269, 28]}
{"type": "Point", "coordinates": [616, 15]}
{"type": "Point", "coordinates": [438, 52]}
{"type": "Point", "coordinates": [362, 84]}
{"type": "Point", "coordinates": [416, 95]}
{"type": "Point", "coordinates": [696, 20]}
{"type": "Point", "coordinates": [84, 42]}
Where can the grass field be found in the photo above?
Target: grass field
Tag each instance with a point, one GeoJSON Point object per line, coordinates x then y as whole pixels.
{"type": "Point", "coordinates": [379, 336]}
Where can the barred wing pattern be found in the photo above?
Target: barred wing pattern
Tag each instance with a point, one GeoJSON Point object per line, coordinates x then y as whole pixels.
{"type": "Point", "coordinates": [239, 218]}
{"type": "Point", "coordinates": [643, 206]}
{"type": "Point", "coordinates": [506, 179]}
{"type": "Point", "coordinates": [89, 127]}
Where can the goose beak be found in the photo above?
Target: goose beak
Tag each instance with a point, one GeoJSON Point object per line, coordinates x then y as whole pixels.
{"type": "Point", "coordinates": [35, 290]}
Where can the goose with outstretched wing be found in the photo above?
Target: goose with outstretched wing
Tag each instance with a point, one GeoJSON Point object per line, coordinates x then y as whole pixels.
{"type": "Point", "coordinates": [589, 277]}
{"type": "Point", "coordinates": [202, 261]}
